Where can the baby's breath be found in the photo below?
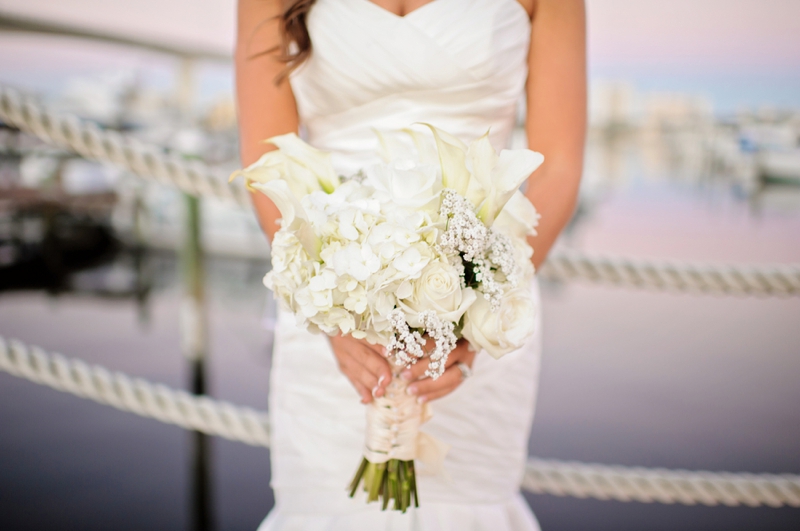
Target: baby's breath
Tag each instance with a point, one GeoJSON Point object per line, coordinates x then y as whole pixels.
{"type": "Point", "coordinates": [405, 344]}
{"type": "Point", "coordinates": [486, 250]}
{"type": "Point", "coordinates": [442, 333]}
{"type": "Point", "coordinates": [465, 233]}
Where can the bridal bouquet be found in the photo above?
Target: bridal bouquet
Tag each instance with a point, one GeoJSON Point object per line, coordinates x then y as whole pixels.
{"type": "Point", "coordinates": [420, 250]}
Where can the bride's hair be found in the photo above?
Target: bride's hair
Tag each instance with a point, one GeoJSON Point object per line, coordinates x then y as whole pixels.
{"type": "Point", "coordinates": [295, 44]}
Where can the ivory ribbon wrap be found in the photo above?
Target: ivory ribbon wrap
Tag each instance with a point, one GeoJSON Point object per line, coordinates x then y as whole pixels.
{"type": "Point", "coordinates": [393, 423]}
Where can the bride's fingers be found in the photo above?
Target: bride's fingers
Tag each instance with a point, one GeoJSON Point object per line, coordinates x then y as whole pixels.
{"type": "Point", "coordinates": [370, 370]}
{"type": "Point", "coordinates": [429, 389]}
{"type": "Point", "coordinates": [360, 362]}
{"type": "Point", "coordinates": [376, 365]}
{"type": "Point", "coordinates": [366, 395]}
{"type": "Point", "coordinates": [361, 379]}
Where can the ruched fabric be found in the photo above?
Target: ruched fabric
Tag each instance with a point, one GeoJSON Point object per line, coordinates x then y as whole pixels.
{"type": "Point", "coordinates": [461, 66]}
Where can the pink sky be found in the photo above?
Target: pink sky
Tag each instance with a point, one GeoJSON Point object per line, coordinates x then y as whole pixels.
{"type": "Point", "coordinates": [698, 34]}
{"type": "Point", "coordinates": [724, 35]}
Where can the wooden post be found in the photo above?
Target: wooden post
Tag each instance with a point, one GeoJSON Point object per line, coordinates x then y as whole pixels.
{"type": "Point", "coordinates": [194, 325]}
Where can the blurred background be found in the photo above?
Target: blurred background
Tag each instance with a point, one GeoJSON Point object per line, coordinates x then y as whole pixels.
{"type": "Point", "coordinates": [693, 155]}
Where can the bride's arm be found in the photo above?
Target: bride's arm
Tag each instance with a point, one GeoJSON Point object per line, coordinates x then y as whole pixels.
{"type": "Point", "coordinates": [265, 109]}
{"type": "Point", "coordinates": [556, 121]}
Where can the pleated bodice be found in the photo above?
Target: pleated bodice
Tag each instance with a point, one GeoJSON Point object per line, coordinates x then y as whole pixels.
{"type": "Point", "coordinates": [458, 64]}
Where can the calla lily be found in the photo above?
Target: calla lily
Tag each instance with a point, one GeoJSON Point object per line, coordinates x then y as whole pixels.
{"type": "Point", "coordinates": [518, 218]}
{"type": "Point", "coordinates": [426, 151]}
{"type": "Point", "coordinates": [275, 165]}
{"type": "Point", "coordinates": [293, 215]}
{"type": "Point", "coordinates": [452, 157]}
{"type": "Point", "coordinates": [394, 147]}
{"type": "Point", "coordinates": [406, 143]}
{"type": "Point", "coordinates": [306, 157]}
{"type": "Point", "coordinates": [511, 170]}
{"type": "Point", "coordinates": [481, 158]}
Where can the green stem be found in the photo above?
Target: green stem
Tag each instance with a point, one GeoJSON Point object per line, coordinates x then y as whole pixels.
{"type": "Point", "coordinates": [414, 483]}
{"type": "Point", "coordinates": [385, 491]}
{"type": "Point", "coordinates": [357, 479]}
{"type": "Point", "coordinates": [393, 481]}
{"type": "Point", "coordinates": [377, 481]}
{"type": "Point", "coordinates": [403, 485]}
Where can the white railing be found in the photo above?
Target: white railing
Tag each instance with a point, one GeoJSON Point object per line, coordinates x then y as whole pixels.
{"type": "Point", "coordinates": [561, 478]}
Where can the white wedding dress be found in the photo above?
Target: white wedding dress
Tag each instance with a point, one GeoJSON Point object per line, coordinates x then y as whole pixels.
{"type": "Point", "coordinates": [460, 65]}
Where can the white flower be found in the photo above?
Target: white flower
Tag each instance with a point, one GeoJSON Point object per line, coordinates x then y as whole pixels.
{"type": "Point", "coordinates": [356, 300]}
{"type": "Point", "coordinates": [478, 174]}
{"type": "Point", "coordinates": [275, 165]}
{"type": "Point", "coordinates": [293, 215]}
{"type": "Point", "coordinates": [438, 289]}
{"type": "Point", "coordinates": [452, 158]}
{"type": "Point", "coordinates": [406, 183]}
{"type": "Point", "coordinates": [481, 160]}
{"type": "Point", "coordinates": [390, 239]}
{"type": "Point", "coordinates": [382, 302]}
{"type": "Point", "coordinates": [303, 168]}
{"type": "Point", "coordinates": [356, 260]}
{"type": "Point", "coordinates": [337, 320]}
{"type": "Point", "coordinates": [409, 263]}
{"type": "Point", "coordinates": [303, 160]}
{"type": "Point", "coordinates": [518, 218]}
{"type": "Point", "coordinates": [511, 170]}
{"type": "Point", "coordinates": [504, 330]}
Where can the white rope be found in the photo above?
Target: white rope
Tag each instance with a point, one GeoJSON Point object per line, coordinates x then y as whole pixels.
{"type": "Point", "coordinates": [193, 177]}
{"type": "Point", "coordinates": [769, 280]}
{"type": "Point", "coordinates": [648, 485]}
{"type": "Point", "coordinates": [135, 395]}
{"type": "Point", "coordinates": [94, 143]}
{"type": "Point", "coordinates": [249, 426]}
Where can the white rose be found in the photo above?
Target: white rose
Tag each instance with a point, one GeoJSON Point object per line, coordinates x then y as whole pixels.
{"type": "Point", "coordinates": [438, 289]}
{"type": "Point", "coordinates": [505, 329]}
{"type": "Point", "coordinates": [407, 183]}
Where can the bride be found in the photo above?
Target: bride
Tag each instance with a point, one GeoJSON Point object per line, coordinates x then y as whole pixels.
{"type": "Point", "coordinates": [335, 70]}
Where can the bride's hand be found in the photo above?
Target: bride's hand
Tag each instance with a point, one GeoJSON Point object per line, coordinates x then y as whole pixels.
{"type": "Point", "coordinates": [428, 389]}
{"type": "Point", "coordinates": [363, 364]}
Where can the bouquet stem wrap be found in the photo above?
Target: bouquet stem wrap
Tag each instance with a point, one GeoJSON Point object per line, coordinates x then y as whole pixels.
{"type": "Point", "coordinates": [392, 443]}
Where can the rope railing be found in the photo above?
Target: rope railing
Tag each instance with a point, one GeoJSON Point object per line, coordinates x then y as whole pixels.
{"type": "Point", "coordinates": [769, 280]}
{"type": "Point", "coordinates": [249, 426]}
{"type": "Point", "coordinates": [135, 395]}
{"type": "Point", "coordinates": [193, 177]}
{"type": "Point", "coordinates": [649, 485]}
{"type": "Point", "coordinates": [94, 143]}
